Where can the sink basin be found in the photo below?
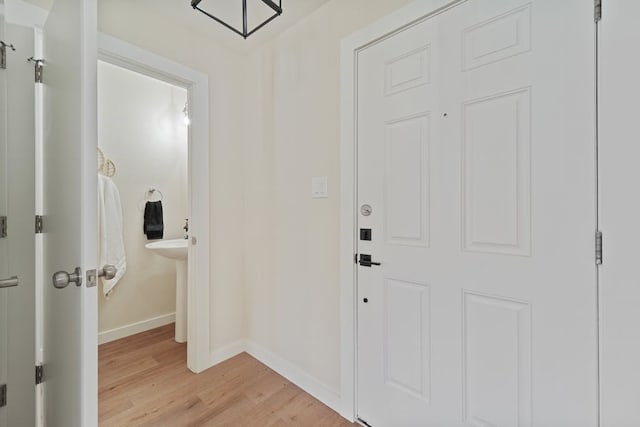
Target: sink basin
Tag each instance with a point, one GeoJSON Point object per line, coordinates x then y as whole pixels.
{"type": "Point", "coordinates": [174, 249]}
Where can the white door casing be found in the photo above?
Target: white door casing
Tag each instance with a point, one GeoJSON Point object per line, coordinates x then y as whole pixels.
{"type": "Point", "coordinates": [126, 55]}
{"type": "Point", "coordinates": [70, 212]}
{"type": "Point", "coordinates": [475, 149]}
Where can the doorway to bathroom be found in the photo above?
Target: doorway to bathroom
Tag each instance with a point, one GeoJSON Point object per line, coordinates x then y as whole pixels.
{"type": "Point", "coordinates": [153, 155]}
{"type": "Point", "coordinates": [143, 214]}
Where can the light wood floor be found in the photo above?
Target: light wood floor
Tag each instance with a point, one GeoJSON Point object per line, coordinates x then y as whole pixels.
{"type": "Point", "coordinates": [144, 381]}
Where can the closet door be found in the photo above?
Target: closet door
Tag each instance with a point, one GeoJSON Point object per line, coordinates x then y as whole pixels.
{"type": "Point", "coordinates": [17, 246]}
{"type": "Point", "coordinates": [4, 247]}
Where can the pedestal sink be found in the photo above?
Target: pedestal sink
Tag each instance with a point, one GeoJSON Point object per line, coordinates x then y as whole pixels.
{"type": "Point", "coordinates": [176, 249]}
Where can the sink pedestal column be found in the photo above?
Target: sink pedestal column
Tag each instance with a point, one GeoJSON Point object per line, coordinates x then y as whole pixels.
{"type": "Point", "coordinates": [177, 250]}
{"type": "Point", "coordinates": [181, 301]}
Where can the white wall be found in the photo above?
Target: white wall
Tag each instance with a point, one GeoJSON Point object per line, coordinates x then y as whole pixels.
{"type": "Point", "coordinates": [150, 30]}
{"type": "Point", "coordinates": [292, 241]}
{"type": "Point", "coordinates": [141, 129]}
{"type": "Point", "coordinates": [274, 125]}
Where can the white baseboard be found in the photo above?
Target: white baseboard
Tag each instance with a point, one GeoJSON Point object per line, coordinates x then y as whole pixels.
{"type": "Point", "coordinates": [293, 373]}
{"type": "Point", "coordinates": [297, 376]}
{"type": "Point", "coordinates": [227, 352]}
{"type": "Point", "coordinates": [135, 328]}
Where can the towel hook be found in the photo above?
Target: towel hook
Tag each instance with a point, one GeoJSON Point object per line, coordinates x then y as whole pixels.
{"type": "Point", "coordinates": [150, 193]}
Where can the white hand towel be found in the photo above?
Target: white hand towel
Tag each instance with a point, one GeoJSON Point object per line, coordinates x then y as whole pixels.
{"type": "Point", "coordinates": [111, 240]}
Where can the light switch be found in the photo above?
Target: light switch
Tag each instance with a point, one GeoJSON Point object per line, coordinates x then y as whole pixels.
{"type": "Point", "coordinates": [319, 187]}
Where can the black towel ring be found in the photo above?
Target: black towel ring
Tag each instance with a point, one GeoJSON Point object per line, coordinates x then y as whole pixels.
{"type": "Point", "coordinates": [150, 193]}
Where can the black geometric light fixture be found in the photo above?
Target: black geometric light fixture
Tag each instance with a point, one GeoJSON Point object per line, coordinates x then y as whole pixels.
{"type": "Point", "coordinates": [275, 8]}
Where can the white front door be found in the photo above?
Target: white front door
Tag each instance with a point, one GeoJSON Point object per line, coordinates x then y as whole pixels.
{"type": "Point", "coordinates": [17, 247]}
{"type": "Point", "coordinates": [476, 157]}
{"type": "Point", "coordinates": [70, 213]}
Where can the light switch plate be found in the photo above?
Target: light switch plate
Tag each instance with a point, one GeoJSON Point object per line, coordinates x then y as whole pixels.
{"type": "Point", "coordinates": [319, 187]}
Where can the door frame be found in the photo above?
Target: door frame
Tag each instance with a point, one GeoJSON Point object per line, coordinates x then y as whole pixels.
{"type": "Point", "coordinates": [120, 53]}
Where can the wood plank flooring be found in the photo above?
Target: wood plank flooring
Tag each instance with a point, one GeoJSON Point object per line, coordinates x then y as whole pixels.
{"type": "Point", "coordinates": [144, 381]}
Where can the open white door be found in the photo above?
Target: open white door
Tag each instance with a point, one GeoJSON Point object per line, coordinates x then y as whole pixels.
{"type": "Point", "coordinates": [70, 213]}
{"type": "Point", "coordinates": [17, 242]}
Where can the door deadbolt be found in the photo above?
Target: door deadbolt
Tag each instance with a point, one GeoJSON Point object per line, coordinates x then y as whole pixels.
{"type": "Point", "coordinates": [366, 210]}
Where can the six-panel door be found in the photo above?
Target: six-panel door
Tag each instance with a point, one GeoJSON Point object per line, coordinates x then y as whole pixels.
{"type": "Point", "coordinates": [474, 156]}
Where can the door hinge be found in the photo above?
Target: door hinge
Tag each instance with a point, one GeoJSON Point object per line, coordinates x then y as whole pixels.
{"type": "Point", "coordinates": [597, 10]}
{"type": "Point", "coordinates": [3, 226]}
{"type": "Point", "coordinates": [39, 374]}
{"type": "Point", "coordinates": [355, 258]}
{"type": "Point", "coordinates": [3, 54]}
{"type": "Point", "coordinates": [39, 69]}
{"type": "Point", "coordinates": [598, 247]}
{"type": "Point", "coordinates": [3, 395]}
{"type": "Point", "coordinates": [39, 224]}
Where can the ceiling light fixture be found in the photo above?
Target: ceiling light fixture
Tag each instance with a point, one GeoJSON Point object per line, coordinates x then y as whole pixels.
{"type": "Point", "coordinates": [245, 32]}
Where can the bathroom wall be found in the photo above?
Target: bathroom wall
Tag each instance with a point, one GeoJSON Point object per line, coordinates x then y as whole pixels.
{"type": "Point", "coordinates": [152, 30]}
{"type": "Point", "coordinates": [141, 129]}
{"type": "Point", "coordinates": [292, 240]}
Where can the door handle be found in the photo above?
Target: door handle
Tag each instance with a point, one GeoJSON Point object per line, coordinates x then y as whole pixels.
{"type": "Point", "coordinates": [108, 272]}
{"type": "Point", "coordinates": [365, 261]}
{"type": "Point", "coordinates": [61, 279]}
{"type": "Point", "coordinates": [9, 283]}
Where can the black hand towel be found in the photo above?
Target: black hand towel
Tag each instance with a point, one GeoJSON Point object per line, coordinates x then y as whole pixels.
{"type": "Point", "coordinates": [153, 224]}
